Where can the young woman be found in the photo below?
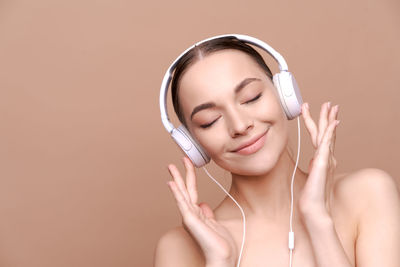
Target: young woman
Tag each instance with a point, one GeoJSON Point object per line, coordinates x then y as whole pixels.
{"type": "Point", "coordinates": [223, 93]}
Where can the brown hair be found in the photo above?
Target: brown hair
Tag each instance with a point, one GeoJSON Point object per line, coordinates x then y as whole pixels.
{"type": "Point", "coordinates": [205, 49]}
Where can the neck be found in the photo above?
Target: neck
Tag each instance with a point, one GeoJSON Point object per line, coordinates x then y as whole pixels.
{"type": "Point", "coordinates": [268, 196]}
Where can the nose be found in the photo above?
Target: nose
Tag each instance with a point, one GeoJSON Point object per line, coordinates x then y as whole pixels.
{"type": "Point", "coordinates": [239, 123]}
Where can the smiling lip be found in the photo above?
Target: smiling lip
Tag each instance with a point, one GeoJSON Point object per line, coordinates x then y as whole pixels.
{"type": "Point", "coordinates": [252, 145]}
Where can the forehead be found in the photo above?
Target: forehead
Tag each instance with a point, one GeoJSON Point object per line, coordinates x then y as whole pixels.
{"type": "Point", "coordinates": [217, 73]}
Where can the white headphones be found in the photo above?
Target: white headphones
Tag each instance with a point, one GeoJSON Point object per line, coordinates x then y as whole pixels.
{"type": "Point", "coordinates": [284, 82]}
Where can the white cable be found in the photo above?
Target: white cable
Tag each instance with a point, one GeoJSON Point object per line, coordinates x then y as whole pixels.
{"type": "Point", "coordinates": [290, 257]}
{"type": "Point", "coordinates": [291, 233]}
{"type": "Point", "coordinates": [241, 210]}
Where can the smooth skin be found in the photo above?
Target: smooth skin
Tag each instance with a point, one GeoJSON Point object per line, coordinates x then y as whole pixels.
{"type": "Point", "coordinates": [343, 220]}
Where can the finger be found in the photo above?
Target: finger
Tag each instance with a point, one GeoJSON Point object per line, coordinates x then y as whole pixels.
{"type": "Point", "coordinates": [191, 180]}
{"type": "Point", "coordinates": [310, 125]}
{"type": "Point", "coordinates": [180, 200]}
{"type": "Point", "coordinates": [320, 164]}
{"type": "Point", "coordinates": [179, 181]}
{"type": "Point", "coordinates": [335, 111]}
{"type": "Point", "coordinates": [323, 120]}
{"type": "Point", "coordinates": [324, 148]}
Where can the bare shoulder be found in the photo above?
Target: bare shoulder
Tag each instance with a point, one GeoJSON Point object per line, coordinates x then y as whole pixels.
{"type": "Point", "coordinates": [368, 182]}
{"type": "Point", "coordinates": [374, 195]}
{"type": "Point", "coordinates": [365, 188]}
{"type": "Point", "coordinates": [176, 248]}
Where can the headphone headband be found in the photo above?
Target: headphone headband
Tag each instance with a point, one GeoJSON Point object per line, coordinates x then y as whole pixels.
{"type": "Point", "coordinates": [284, 82]}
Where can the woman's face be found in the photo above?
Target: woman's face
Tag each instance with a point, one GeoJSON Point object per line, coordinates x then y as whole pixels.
{"type": "Point", "coordinates": [232, 109]}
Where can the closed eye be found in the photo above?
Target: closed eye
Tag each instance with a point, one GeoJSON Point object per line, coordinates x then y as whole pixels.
{"type": "Point", "coordinates": [204, 126]}
{"type": "Point", "coordinates": [253, 99]}
{"type": "Point", "coordinates": [208, 124]}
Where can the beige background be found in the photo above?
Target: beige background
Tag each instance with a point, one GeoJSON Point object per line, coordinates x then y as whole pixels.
{"type": "Point", "coordinates": [83, 153]}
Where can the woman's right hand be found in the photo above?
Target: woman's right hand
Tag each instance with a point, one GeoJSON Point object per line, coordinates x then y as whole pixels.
{"type": "Point", "coordinates": [198, 219]}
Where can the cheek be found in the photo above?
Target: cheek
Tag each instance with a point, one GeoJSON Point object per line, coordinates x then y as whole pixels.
{"type": "Point", "coordinates": [212, 141]}
{"type": "Point", "coordinates": [270, 111]}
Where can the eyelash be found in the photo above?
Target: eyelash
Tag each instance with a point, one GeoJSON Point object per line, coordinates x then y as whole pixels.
{"type": "Point", "coordinates": [204, 126]}
{"type": "Point", "coordinates": [254, 99]}
{"type": "Point", "coordinates": [208, 124]}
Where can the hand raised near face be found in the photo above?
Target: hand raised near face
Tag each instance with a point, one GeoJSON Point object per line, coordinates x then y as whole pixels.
{"type": "Point", "coordinates": [199, 221]}
{"type": "Point", "coordinates": [315, 194]}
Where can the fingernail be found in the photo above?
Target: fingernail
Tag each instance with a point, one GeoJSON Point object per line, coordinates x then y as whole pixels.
{"type": "Point", "coordinates": [329, 104]}
{"type": "Point", "coordinates": [337, 122]}
{"type": "Point", "coordinates": [307, 106]}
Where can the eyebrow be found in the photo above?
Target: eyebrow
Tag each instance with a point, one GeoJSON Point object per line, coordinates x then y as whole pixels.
{"type": "Point", "coordinates": [237, 89]}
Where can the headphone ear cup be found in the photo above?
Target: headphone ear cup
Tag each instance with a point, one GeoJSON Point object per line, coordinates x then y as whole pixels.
{"type": "Point", "coordinates": [189, 146]}
{"type": "Point", "coordinates": [289, 93]}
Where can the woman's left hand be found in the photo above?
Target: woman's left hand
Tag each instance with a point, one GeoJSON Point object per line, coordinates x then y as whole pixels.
{"type": "Point", "coordinates": [314, 199]}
